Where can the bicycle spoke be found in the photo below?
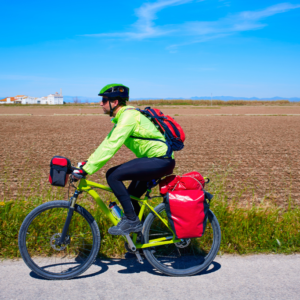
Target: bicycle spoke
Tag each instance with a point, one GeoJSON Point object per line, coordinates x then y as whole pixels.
{"type": "Point", "coordinates": [188, 254]}
{"type": "Point", "coordinates": [42, 249]}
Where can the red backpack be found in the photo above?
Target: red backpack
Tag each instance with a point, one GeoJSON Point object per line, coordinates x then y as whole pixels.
{"type": "Point", "coordinates": [171, 130]}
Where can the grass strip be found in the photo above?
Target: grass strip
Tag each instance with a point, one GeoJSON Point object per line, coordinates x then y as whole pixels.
{"type": "Point", "coordinates": [15, 115]}
{"type": "Point", "coordinates": [258, 230]}
{"type": "Point", "coordinates": [244, 230]}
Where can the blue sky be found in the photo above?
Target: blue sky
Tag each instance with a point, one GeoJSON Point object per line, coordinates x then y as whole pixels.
{"type": "Point", "coordinates": [168, 48]}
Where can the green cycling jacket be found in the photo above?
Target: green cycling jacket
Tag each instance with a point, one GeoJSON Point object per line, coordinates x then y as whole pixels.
{"type": "Point", "coordinates": [128, 123]}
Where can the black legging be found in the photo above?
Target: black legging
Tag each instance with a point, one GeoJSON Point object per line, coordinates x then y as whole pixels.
{"type": "Point", "coordinates": [140, 171]}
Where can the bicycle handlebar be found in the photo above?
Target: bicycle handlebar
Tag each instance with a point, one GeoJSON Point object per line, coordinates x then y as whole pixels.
{"type": "Point", "coordinates": [74, 168]}
{"type": "Point", "coordinates": [78, 177]}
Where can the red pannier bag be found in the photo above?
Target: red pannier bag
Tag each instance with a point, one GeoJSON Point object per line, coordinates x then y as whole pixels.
{"type": "Point", "coordinates": [168, 184]}
{"type": "Point", "coordinates": [186, 204]}
{"type": "Point", "coordinates": [188, 181]}
{"type": "Point", "coordinates": [60, 168]}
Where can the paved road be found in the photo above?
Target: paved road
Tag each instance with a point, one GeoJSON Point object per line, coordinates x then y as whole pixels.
{"type": "Point", "coordinates": [229, 277]}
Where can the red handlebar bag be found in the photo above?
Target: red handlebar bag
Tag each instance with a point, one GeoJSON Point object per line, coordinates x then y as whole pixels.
{"type": "Point", "coordinates": [60, 168]}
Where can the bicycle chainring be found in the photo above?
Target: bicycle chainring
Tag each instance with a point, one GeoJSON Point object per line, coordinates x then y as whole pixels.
{"type": "Point", "coordinates": [127, 248]}
{"type": "Point", "coordinates": [184, 243]}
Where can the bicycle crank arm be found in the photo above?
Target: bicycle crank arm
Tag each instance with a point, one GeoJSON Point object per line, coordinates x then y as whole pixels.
{"type": "Point", "coordinates": [139, 258]}
{"type": "Point", "coordinates": [130, 243]}
{"type": "Point", "coordinates": [133, 248]}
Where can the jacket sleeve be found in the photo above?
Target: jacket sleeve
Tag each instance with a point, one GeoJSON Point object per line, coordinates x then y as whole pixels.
{"type": "Point", "coordinates": [112, 143]}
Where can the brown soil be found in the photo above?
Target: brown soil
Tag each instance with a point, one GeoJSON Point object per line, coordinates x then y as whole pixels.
{"type": "Point", "coordinates": [257, 155]}
{"type": "Point", "coordinates": [181, 110]}
{"type": "Point", "coordinates": [239, 110]}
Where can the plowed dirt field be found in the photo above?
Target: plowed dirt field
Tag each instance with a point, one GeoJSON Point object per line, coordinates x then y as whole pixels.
{"type": "Point", "coordinates": [258, 156]}
{"type": "Point", "coordinates": [37, 110]}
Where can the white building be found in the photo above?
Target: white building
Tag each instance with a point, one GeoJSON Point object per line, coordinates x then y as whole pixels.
{"type": "Point", "coordinates": [27, 100]}
{"type": "Point", "coordinates": [52, 99]}
{"type": "Point", "coordinates": [12, 100]}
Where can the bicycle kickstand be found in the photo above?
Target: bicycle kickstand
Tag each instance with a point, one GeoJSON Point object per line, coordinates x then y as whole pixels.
{"type": "Point", "coordinates": [133, 248]}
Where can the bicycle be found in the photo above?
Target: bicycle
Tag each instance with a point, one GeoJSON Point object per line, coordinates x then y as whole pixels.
{"type": "Point", "coordinates": [61, 239]}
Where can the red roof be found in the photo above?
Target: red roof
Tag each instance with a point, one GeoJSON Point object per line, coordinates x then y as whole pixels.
{"type": "Point", "coordinates": [11, 99]}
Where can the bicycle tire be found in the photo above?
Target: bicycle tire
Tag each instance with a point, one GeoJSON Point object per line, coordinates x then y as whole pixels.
{"type": "Point", "coordinates": [159, 259]}
{"type": "Point", "coordinates": [59, 211]}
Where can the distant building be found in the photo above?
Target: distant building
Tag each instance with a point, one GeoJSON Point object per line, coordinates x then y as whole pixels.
{"type": "Point", "coordinates": [9, 100]}
{"type": "Point", "coordinates": [27, 100]}
{"type": "Point", "coordinates": [52, 99]}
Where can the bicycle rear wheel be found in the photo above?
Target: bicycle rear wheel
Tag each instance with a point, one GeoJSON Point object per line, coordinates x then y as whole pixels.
{"type": "Point", "coordinates": [40, 233]}
{"type": "Point", "coordinates": [186, 258]}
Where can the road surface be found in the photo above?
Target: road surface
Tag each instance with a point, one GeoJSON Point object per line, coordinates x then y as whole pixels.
{"type": "Point", "coordinates": [229, 277]}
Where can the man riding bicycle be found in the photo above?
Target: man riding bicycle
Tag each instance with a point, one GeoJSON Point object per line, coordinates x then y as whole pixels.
{"type": "Point", "coordinates": [140, 135]}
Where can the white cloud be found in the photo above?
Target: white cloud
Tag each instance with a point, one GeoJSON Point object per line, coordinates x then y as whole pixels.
{"type": "Point", "coordinates": [247, 20]}
{"type": "Point", "coordinates": [244, 21]}
{"type": "Point", "coordinates": [173, 48]}
{"type": "Point", "coordinates": [200, 31]}
{"type": "Point", "coordinates": [145, 27]}
{"type": "Point", "coordinates": [270, 11]}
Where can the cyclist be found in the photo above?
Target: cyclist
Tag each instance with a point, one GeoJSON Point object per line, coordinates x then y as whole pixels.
{"type": "Point", "coordinates": [153, 161]}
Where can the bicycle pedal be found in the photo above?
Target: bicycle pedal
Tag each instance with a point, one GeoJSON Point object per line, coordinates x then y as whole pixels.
{"type": "Point", "coordinates": [139, 258]}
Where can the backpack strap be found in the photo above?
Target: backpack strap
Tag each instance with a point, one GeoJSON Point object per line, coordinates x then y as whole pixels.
{"type": "Point", "coordinates": [169, 151]}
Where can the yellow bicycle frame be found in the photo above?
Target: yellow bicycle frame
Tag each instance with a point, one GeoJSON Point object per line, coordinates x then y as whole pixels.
{"type": "Point", "coordinates": [86, 186]}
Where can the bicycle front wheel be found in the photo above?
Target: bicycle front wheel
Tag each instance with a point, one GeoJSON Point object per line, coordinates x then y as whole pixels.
{"type": "Point", "coordinates": [41, 231]}
{"type": "Point", "coordinates": [188, 257]}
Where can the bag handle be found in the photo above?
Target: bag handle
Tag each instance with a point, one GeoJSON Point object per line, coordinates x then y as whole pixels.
{"type": "Point", "coordinates": [187, 177]}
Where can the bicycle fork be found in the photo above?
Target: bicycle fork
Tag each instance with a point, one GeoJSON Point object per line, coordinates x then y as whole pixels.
{"type": "Point", "coordinates": [69, 217]}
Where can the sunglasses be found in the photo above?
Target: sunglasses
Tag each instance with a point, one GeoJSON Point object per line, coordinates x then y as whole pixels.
{"type": "Point", "coordinates": [104, 100]}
